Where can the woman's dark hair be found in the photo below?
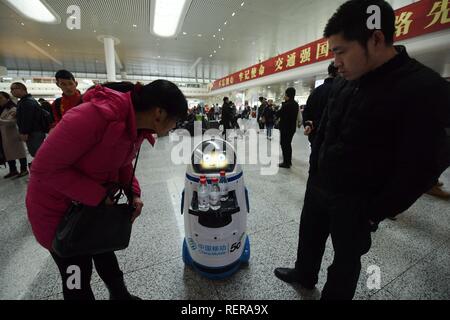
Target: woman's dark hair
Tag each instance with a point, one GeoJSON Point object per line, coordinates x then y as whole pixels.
{"type": "Point", "coordinates": [160, 93]}
{"type": "Point", "coordinates": [10, 103]}
{"type": "Point", "coordinates": [351, 18]}
{"type": "Point", "coordinates": [5, 95]}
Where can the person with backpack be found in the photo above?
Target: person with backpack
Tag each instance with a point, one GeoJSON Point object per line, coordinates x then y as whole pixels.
{"type": "Point", "coordinates": [13, 148]}
{"type": "Point", "coordinates": [71, 97]}
{"type": "Point", "coordinates": [361, 174]}
{"type": "Point", "coordinates": [93, 147]}
{"type": "Point", "coordinates": [30, 118]}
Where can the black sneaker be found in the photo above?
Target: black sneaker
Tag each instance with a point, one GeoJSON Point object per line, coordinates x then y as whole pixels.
{"type": "Point", "coordinates": [284, 165]}
{"type": "Point", "coordinates": [291, 276]}
{"type": "Point", "coordinates": [11, 175]}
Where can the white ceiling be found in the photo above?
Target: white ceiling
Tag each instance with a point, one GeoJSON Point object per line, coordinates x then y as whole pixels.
{"type": "Point", "coordinates": [260, 29]}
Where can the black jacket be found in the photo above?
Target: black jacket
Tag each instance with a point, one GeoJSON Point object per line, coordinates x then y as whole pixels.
{"type": "Point", "coordinates": [288, 115]}
{"type": "Point", "coordinates": [28, 115]}
{"type": "Point", "coordinates": [381, 136]}
{"type": "Point", "coordinates": [315, 105]}
{"type": "Point", "coordinates": [227, 114]}
{"type": "Point", "coordinates": [269, 115]}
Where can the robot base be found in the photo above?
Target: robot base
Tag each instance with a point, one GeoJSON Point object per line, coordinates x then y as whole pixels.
{"type": "Point", "coordinates": [217, 273]}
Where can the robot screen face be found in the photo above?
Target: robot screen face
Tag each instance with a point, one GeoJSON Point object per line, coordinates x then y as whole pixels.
{"type": "Point", "coordinates": [213, 156]}
{"type": "Point", "coordinates": [214, 161]}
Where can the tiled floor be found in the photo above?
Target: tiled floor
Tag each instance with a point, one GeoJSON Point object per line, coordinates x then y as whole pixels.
{"type": "Point", "coordinates": [412, 253]}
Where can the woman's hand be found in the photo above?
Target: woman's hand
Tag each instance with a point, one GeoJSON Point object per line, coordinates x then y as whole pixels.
{"type": "Point", "coordinates": [138, 204]}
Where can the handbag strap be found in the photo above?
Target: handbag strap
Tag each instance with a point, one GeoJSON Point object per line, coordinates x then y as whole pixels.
{"type": "Point", "coordinates": [130, 188]}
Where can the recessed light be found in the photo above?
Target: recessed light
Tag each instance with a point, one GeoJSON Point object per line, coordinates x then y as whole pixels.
{"type": "Point", "coordinates": [215, 51]}
{"type": "Point", "coordinates": [210, 55]}
{"type": "Point", "coordinates": [159, 57]}
{"type": "Point", "coordinates": [242, 4]}
{"type": "Point", "coordinates": [225, 23]}
{"type": "Point", "coordinates": [48, 44]}
{"type": "Point", "coordinates": [22, 23]}
{"type": "Point", "coordinates": [223, 39]}
{"type": "Point", "coordinates": [214, 35]}
{"type": "Point", "coordinates": [95, 31]}
{"type": "Point", "coordinates": [199, 35]}
{"type": "Point", "coordinates": [134, 25]}
{"type": "Point", "coordinates": [185, 33]}
{"type": "Point", "coordinates": [234, 13]}
{"type": "Point", "coordinates": [220, 30]}
{"type": "Point", "coordinates": [220, 47]}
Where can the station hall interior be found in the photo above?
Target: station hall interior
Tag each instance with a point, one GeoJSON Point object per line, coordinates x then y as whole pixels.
{"type": "Point", "coordinates": [215, 49]}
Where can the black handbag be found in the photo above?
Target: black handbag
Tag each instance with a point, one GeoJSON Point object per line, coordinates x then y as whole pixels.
{"type": "Point", "coordinates": [87, 230]}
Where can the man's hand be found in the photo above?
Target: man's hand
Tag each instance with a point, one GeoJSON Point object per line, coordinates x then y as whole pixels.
{"type": "Point", "coordinates": [138, 204]}
{"type": "Point", "coordinates": [24, 137]}
{"type": "Point", "coordinates": [307, 131]}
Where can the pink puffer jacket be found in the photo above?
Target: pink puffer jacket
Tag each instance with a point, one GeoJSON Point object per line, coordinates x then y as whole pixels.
{"type": "Point", "coordinates": [94, 144]}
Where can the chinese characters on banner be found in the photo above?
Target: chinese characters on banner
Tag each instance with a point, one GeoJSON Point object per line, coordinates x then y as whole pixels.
{"type": "Point", "coordinates": [414, 20]}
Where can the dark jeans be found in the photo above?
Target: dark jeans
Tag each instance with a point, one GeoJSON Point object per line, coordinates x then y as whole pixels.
{"type": "Point", "coordinates": [286, 146]}
{"type": "Point", "coordinates": [13, 166]}
{"type": "Point", "coordinates": [106, 265]}
{"type": "Point", "coordinates": [34, 142]}
{"type": "Point", "coordinates": [342, 217]}
{"type": "Point", "coordinates": [269, 130]}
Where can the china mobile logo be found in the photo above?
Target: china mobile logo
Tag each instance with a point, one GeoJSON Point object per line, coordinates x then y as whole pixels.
{"type": "Point", "coordinates": [261, 151]}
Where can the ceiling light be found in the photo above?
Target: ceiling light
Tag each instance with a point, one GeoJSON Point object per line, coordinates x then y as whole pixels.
{"type": "Point", "coordinates": [223, 39]}
{"type": "Point", "coordinates": [234, 13]}
{"type": "Point", "coordinates": [215, 51]}
{"type": "Point", "coordinates": [242, 4]}
{"type": "Point", "coordinates": [199, 35]}
{"type": "Point", "coordinates": [168, 16]}
{"type": "Point", "coordinates": [225, 22]}
{"type": "Point", "coordinates": [35, 10]}
{"type": "Point", "coordinates": [210, 55]}
{"type": "Point", "coordinates": [134, 26]}
{"type": "Point", "coordinates": [220, 47]}
{"type": "Point", "coordinates": [214, 35]}
{"type": "Point", "coordinates": [220, 30]}
{"type": "Point", "coordinates": [184, 33]}
{"type": "Point", "coordinates": [22, 23]}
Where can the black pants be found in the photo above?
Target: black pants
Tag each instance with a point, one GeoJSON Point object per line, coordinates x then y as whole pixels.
{"type": "Point", "coordinates": [13, 166]}
{"type": "Point", "coordinates": [343, 218]}
{"type": "Point", "coordinates": [34, 142]}
{"type": "Point", "coordinates": [286, 146]}
{"type": "Point", "coordinates": [106, 265]}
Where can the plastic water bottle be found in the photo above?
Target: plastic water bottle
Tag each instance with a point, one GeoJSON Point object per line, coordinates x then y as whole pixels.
{"type": "Point", "coordinates": [223, 185]}
{"type": "Point", "coordinates": [214, 195]}
{"type": "Point", "coordinates": [203, 195]}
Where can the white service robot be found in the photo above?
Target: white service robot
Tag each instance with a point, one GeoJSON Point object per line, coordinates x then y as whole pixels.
{"type": "Point", "coordinates": [216, 242]}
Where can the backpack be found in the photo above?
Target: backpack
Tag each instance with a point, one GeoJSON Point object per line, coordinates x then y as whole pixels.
{"type": "Point", "coordinates": [45, 120]}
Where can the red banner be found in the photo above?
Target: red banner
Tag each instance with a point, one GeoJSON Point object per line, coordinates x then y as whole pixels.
{"type": "Point", "coordinates": [414, 20]}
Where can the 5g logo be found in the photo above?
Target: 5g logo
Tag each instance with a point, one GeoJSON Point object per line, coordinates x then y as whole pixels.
{"type": "Point", "coordinates": [374, 280]}
{"type": "Point", "coordinates": [74, 20]}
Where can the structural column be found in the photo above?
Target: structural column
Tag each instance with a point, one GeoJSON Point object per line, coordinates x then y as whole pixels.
{"type": "Point", "coordinates": [110, 59]}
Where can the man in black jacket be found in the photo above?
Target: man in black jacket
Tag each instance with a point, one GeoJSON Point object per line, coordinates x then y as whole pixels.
{"type": "Point", "coordinates": [288, 115]}
{"type": "Point", "coordinates": [374, 154]}
{"type": "Point", "coordinates": [316, 103]}
{"type": "Point", "coordinates": [28, 118]}
{"type": "Point", "coordinates": [227, 116]}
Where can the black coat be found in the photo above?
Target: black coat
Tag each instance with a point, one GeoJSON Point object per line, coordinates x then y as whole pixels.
{"type": "Point", "coordinates": [28, 115]}
{"type": "Point", "coordinates": [316, 104]}
{"type": "Point", "coordinates": [380, 136]}
{"type": "Point", "coordinates": [269, 115]}
{"type": "Point", "coordinates": [288, 115]}
{"type": "Point", "coordinates": [227, 115]}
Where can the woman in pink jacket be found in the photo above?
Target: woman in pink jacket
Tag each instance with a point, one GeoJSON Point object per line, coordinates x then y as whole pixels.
{"type": "Point", "coordinates": [94, 145]}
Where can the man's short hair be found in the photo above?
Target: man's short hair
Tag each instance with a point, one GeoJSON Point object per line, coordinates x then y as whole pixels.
{"type": "Point", "coordinates": [20, 85]}
{"type": "Point", "coordinates": [332, 70]}
{"type": "Point", "coordinates": [225, 99]}
{"type": "Point", "coordinates": [351, 18]}
{"type": "Point", "coordinates": [64, 75]}
{"type": "Point", "coordinates": [262, 99]}
{"type": "Point", "coordinates": [290, 93]}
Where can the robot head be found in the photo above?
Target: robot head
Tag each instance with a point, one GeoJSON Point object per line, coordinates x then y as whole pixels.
{"type": "Point", "coordinates": [213, 156]}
